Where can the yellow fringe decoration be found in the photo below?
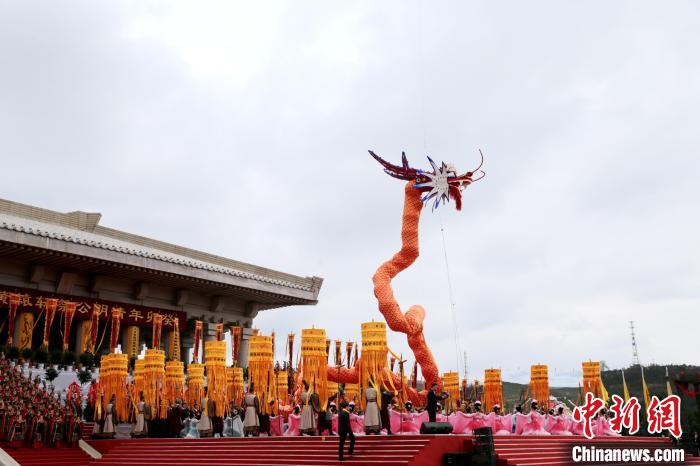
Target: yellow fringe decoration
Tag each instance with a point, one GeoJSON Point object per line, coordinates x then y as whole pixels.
{"type": "Point", "coordinates": [282, 383]}
{"type": "Point", "coordinates": [592, 381]}
{"type": "Point", "coordinates": [450, 383]}
{"type": "Point", "coordinates": [374, 362]}
{"type": "Point", "coordinates": [114, 370]}
{"type": "Point", "coordinates": [260, 369]}
{"type": "Point", "coordinates": [139, 376]}
{"type": "Point", "coordinates": [332, 388]}
{"type": "Point", "coordinates": [352, 392]}
{"type": "Point", "coordinates": [238, 388]}
{"type": "Point", "coordinates": [539, 384]}
{"type": "Point", "coordinates": [314, 362]}
{"type": "Point", "coordinates": [493, 389]}
{"type": "Point", "coordinates": [153, 381]}
{"type": "Point", "coordinates": [174, 381]}
{"type": "Point", "coordinates": [215, 361]}
{"type": "Point", "coordinates": [195, 385]}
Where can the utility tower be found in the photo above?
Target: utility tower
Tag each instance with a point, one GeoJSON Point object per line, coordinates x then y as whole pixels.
{"type": "Point", "coordinates": [635, 352]}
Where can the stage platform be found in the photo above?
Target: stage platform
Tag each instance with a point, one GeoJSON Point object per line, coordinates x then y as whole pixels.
{"type": "Point", "coordinates": [396, 450]}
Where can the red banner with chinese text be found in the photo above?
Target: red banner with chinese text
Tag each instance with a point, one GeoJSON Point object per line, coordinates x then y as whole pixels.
{"type": "Point", "coordinates": [36, 301]}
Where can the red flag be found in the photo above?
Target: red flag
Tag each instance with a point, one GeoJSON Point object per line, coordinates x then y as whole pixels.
{"type": "Point", "coordinates": [68, 313]}
{"type": "Point", "coordinates": [117, 313]}
{"type": "Point", "coordinates": [338, 352]}
{"type": "Point", "coordinates": [94, 325]}
{"type": "Point", "coordinates": [157, 328]}
{"type": "Point", "coordinates": [219, 329]}
{"type": "Point", "coordinates": [236, 343]}
{"type": "Point", "coordinates": [14, 303]}
{"type": "Point", "coordinates": [197, 340]}
{"type": "Point", "coordinates": [290, 343]}
{"type": "Point", "coordinates": [51, 306]}
{"type": "Point", "coordinates": [348, 352]}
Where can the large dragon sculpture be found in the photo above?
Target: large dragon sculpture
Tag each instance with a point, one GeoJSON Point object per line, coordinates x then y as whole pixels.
{"type": "Point", "coordinates": [434, 187]}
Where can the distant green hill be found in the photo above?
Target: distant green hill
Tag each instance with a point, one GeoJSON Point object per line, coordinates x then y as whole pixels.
{"type": "Point", "coordinates": [654, 375]}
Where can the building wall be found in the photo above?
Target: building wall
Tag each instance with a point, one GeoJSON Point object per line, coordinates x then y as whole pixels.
{"type": "Point", "coordinates": [208, 308]}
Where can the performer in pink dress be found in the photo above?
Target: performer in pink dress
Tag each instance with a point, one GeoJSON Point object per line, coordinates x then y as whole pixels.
{"type": "Point", "coordinates": [500, 425]}
{"type": "Point", "coordinates": [356, 422]}
{"type": "Point", "coordinates": [407, 421]}
{"type": "Point", "coordinates": [294, 423]}
{"type": "Point", "coordinates": [460, 422]}
{"type": "Point", "coordinates": [422, 417]}
{"type": "Point", "coordinates": [478, 420]}
{"type": "Point", "coordinates": [559, 424]}
{"type": "Point", "coordinates": [602, 426]}
{"type": "Point", "coordinates": [576, 428]}
{"type": "Point", "coordinates": [531, 423]}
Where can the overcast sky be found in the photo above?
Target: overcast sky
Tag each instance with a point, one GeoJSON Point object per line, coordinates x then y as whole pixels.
{"type": "Point", "coordinates": [242, 129]}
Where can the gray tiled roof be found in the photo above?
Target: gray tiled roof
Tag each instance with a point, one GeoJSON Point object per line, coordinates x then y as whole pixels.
{"type": "Point", "coordinates": [63, 233]}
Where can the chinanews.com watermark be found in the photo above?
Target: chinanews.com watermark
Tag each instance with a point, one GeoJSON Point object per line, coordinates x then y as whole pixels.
{"type": "Point", "coordinates": [602, 454]}
{"type": "Point", "coordinates": [662, 415]}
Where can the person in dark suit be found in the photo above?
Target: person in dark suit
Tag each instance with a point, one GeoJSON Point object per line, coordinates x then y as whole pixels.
{"type": "Point", "coordinates": [433, 400]}
{"type": "Point", "coordinates": [175, 415]}
{"type": "Point", "coordinates": [344, 430]}
{"type": "Point", "coordinates": [387, 398]}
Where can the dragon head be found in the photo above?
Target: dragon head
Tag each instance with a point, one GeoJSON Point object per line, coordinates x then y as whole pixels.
{"type": "Point", "coordinates": [439, 184]}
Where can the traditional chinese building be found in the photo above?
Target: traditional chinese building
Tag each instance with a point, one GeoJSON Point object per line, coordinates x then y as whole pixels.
{"type": "Point", "coordinates": [66, 264]}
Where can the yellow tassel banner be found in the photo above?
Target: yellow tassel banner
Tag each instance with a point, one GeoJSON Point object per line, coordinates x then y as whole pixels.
{"type": "Point", "coordinates": [539, 384]}
{"type": "Point", "coordinates": [238, 388]}
{"type": "Point", "coordinates": [114, 370]}
{"type": "Point", "coordinates": [591, 378]}
{"type": "Point", "coordinates": [450, 381]}
{"type": "Point", "coordinates": [282, 383]}
{"type": "Point", "coordinates": [139, 374]}
{"type": "Point", "coordinates": [260, 369]}
{"type": "Point", "coordinates": [314, 362]}
{"type": "Point", "coordinates": [374, 362]}
{"type": "Point", "coordinates": [493, 389]}
{"type": "Point", "coordinates": [352, 392]}
{"type": "Point", "coordinates": [195, 384]}
{"type": "Point", "coordinates": [174, 381]}
{"type": "Point", "coordinates": [332, 388]}
{"type": "Point", "coordinates": [154, 379]}
{"type": "Point", "coordinates": [215, 361]}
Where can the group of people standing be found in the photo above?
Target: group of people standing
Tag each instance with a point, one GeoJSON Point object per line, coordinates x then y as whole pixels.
{"type": "Point", "coordinates": [380, 415]}
{"type": "Point", "coordinates": [31, 414]}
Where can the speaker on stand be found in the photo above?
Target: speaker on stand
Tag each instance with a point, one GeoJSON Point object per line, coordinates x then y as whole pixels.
{"type": "Point", "coordinates": [436, 428]}
{"type": "Point", "coordinates": [484, 453]}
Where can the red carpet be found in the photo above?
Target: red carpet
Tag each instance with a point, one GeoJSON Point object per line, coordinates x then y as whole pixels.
{"type": "Point", "coordinates": [375, 450]}
{"type": "Point", "coordinates": [556, 450]}
{"type": "Point", "coordinates": [49, 456]}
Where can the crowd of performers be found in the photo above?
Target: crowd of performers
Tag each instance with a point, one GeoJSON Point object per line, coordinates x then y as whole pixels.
{"type": "Point", "coordinates": [32, 415]}
{"type": "Point", "coordinates": [382, 414]}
